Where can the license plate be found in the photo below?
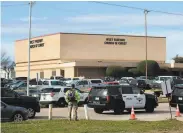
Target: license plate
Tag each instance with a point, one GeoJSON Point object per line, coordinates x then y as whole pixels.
{"type": "Point", "coordinates": [180, 98]}
{"type": "Point", "coordinates": [96, 98]}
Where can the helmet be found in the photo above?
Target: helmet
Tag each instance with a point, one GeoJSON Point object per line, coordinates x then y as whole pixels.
{"type": "Point", "coordinates": [73, 85]}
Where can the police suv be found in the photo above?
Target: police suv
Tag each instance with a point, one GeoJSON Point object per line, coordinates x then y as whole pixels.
{"type": "Point", "coordinates": [56, 95]}
{"type": "Point", "coordinates": [119, 98]}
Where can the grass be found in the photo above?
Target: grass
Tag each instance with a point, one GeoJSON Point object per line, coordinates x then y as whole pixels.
{"type": "Point", "coordinates": [162, 99]}
{"type": "Point", "coordinates": [92, 126]}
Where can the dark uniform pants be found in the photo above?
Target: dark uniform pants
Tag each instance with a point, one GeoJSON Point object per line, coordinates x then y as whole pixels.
{"type": "Point", "coordinates": [74, 106]}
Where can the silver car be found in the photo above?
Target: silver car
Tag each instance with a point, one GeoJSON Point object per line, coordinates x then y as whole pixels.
{"type": "Point", "coordinates": [13, 113]}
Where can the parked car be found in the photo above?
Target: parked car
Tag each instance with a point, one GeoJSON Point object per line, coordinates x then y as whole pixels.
{"type": "Point", "coordinates": [86, 84]}
{"type": "Point", "coordinates": [161, 79]}
{"type": "Point", "coordinates": [11, 97]}
{"type": "Point", "coordinates": [13, 113]}
{"type": "Point", "coordinates": [127, 78]}
{"type": "Point", "coordinates": [156, 87]}
{"type": "Point", "coordinates": [140, 83]}
{"type": "Point", "coordinates": [51, 82]}
{"type": "Point", "coordinates": [12, 83]}
{"type": "Point", "coordinates": [177, 97]}
{"type": "Point", "coordinates": [111, 83]}
{"type": "Point", "coordinates": [70, 80]}
{"type": "Point", "coordinates": [120, 98]}
{"type": "Point", "coordinates": [56, 95]}
{"type": "Point", "coordinates": [124, 82]}
{"type": "Point", "coordinates": [57, 77]}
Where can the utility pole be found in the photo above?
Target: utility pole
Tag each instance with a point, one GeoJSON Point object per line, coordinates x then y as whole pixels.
{"type": "Point", "coordinates": [30, 15]}
{"type": "Point", "coordinates": [145, 13]}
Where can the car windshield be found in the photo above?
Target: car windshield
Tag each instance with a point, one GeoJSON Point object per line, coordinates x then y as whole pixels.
{"type": "Point", "coordinates": [178, 91]}
{"type": "Point", "coordinates": [58, 83]}
{"type": "Point", "coordinates": [164, 78]}
{"type": "Point", "coordinates": [75, 78]}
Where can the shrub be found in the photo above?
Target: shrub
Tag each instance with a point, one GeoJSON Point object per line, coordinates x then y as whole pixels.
{"type": "Point", "coordinates": [152, 67]}
{"type": "Point", "coordinates": [134, 71]}
{"type": "Point", "coordinates": [116, 71]}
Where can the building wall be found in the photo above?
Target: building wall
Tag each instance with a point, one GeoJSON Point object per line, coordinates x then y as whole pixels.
{"type": "Point", "coordinates": [92, 47]}
{"type": "Point", "coordinates": [50, 50]}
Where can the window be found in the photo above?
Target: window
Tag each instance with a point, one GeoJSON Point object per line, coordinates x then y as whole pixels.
{"type": "Point", "coordinates": [51, 77]}
{"type": "Point", "coordinates": [56, 90]}
{"type": "Point", "coordinates": [178, 91]}
{"type": "Point", "coordinates": [9, 93]}
{"type": "Point", "coordinates": [136, 90]}
{"type": "Point", "coordinates": [80, 83]}
{"type": "Point", "coordinates": [85, 82]}
{"type": "Point", "coordinates": [58, 83]}
{"type": "Point", "coordinates": [53, 73]}
{"type": "Point", "coordinates": [75, 78]}
{"type": "Point", "coordinates": [41, 75]}
{"type": "Point", "coordinates": [96, 81]}
{"type": "Point", "coordinates": [127, 90]}
{"type": "Point", "coordinates": [113, 91]}
{"type": "Point", "coordinates": [40, 82]}
{"type": "Point", "coordinates": [66, 89]}
{"type": "Point", "coordinates": [98, 91]}
{"type": "Point", "coordinates": [23, 85]}
{"type": "Point", "coordinates": [62, 72]}
{"type": "Point", "coordinates": [47, 90]}
{"type": "Point", "coordinates": [46, 83]}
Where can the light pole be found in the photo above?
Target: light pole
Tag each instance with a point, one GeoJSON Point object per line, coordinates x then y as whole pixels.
{"type": "Point", "coordinates": [145, 13]}
{"type": "Point", "coordinates": [30, 15]}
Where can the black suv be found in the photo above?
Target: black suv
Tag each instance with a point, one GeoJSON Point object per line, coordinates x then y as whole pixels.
{"type": "Point", "coordinates": [11, 97]}
{"type": "Point", "coordinates": [119, 98]}
{"type": "Point", "coordinates": [140, 83]}
{"type": "Point", "coordinates": [177, 96]}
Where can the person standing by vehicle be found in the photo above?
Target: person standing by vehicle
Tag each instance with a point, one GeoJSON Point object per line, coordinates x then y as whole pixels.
{"type": "Point", "coordinates": [72, 97]}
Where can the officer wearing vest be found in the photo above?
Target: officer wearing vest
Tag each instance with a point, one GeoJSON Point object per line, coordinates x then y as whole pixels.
{"type": "Point", "coordinates": [72, 97]}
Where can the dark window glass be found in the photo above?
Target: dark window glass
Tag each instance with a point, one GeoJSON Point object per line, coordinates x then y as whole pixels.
{"type": "Point", "coordinates": [113, 91]}
{"type": "Point", "coordinates": [40, 82]}
{"type": "Point", "coordinates": [56, 90]}
{"type": "Point", "coordinates": [96, 81]}
{"type": "Point", "coordinates": [85, 82]}
{"type": "Point", "coordinates": [75, 78]}
{"type": "Point", "coordinates": [46, 83]}
{"type": "Point", "coordinates": [47, 90]}
{"type": "Point", "coordinates": [52, 77]}
{"type": "Point", "coordinates": [127, 90]}
{"type": "Point", "coordinates": [98, 91]}
{"type": "Point", "coordinates": [178, 91]}
{"type": "Point", "coordinates": [80, 83]}
{"type": "Point", "coordinates": [58, 83]}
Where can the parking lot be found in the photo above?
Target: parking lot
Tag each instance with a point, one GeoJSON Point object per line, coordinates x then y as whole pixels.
{"type": "Point", "coordinates": [160, 113]}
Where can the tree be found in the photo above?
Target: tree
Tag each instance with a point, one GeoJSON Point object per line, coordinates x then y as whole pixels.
{"type": "Point", "coordinates": [116, 71]}
{"type": "Point", "coordinates": [178, 59]}
{"type": "Point", "coordinates": [6, 63]}
{"type": "Point", "coordinates": [152, 67]}
{"type": "Point", "coordinates": [134, 71]}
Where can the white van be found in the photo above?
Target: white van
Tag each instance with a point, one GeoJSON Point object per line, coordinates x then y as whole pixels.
{"type": "Point", "coordinates": [161, 79]}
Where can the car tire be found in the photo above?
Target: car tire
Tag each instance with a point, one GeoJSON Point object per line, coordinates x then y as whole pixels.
{"type": "Point", "coordinates": [61, 103]}
{"type": "Point", "coordinates": [98, 110]}
{"type": "Point", "coordinates": [18, 117]}
{"type": "Point", "coordinates": [149, 107]}
{"type": "Point", "coordinates": [157, 94]}
{"type": "Point", "coordinates": [31, 113]}
{"type": "Point", "coordinates": [119, 107]}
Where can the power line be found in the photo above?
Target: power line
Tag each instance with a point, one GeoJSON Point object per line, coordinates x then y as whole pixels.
{"type": "Point", "coordinates": [137, 8]}
{"type": "Point", "coordinates": [14, 5]}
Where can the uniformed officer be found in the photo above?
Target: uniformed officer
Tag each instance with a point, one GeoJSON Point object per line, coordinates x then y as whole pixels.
{"type": "Point", "coordinates": [72, 97]}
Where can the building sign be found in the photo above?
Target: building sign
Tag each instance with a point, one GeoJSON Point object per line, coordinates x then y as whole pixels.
{"type": "Point", "coordinates": [36, 43]}
{"type": "Point", "coordinates": [115, 41]}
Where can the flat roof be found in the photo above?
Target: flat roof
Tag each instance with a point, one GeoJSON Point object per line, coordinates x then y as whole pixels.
{"type": "Point", "coordinates": [90, 34]}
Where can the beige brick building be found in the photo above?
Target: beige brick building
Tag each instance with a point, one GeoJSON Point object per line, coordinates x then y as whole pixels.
{"type": "Point", "coordinates": [73, 55]}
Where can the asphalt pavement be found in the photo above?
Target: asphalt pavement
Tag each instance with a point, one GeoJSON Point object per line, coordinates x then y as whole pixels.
{"type": "Point", "coordinates": [161, 113]}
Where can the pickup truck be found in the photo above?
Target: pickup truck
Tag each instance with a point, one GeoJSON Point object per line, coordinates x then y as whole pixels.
{"type": "Point", "coordinates": [86, 84]}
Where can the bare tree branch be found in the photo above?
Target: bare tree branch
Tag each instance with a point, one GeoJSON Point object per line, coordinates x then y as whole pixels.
{"type": "Point", "coordinates": [5, 59]}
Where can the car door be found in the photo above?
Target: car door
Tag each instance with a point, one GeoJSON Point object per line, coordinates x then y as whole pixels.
{"type": "Point", "coordinates": [11, 97]}
{"type": "Point", "coordinates": [139, 99]}
{"type": "Point", "coordinates": [85, 85]}
{"type": "Point", "coordinates": [4, 115]}
{"type": "Point", "coordinates": [128, 96]}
